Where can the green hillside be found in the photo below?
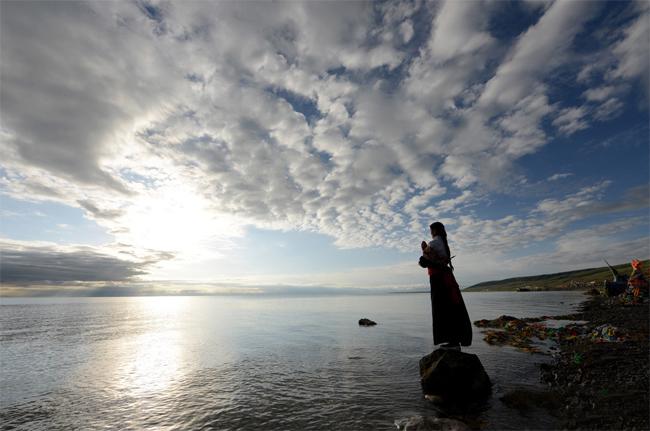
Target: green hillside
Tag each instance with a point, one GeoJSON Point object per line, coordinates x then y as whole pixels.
{"type": "Point", "coordinates": [579, 279]}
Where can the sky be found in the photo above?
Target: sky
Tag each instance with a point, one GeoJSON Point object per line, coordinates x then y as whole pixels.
{"type": "Point", "coordinates": [238, 147]}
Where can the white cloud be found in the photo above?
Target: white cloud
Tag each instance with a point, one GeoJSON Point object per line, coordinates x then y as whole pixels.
{"type": "Point", "coordinates": [571, 120]}
{"type": "Point", "coordinates": [78, 97]}
{"type": "Point", "coordinates": [523, 132]}
{"type": "Point", "coordinates": [455, 30]}
{"type": "Point", "coordinates": [376, 57]}
{"type": "Point", "coordinates": [539, 50]}
{"type": "Point", "coordinates": [549, 220]}
{"type": "Point", "coordinates": [623, 61]}
{"type": "Point", "coordinates": [208, 117]}
{"type": "Point", "coordinates": [609, 109]}
{"type": "Point", "coordinates": [599, 94]}
{"type": "Point", "coordinates": [559, 176]}
{"type": "Point", "coordinates": [573, 206]}
{"type": "Point", "coordinates": [633, 59]}
{"type": "Point", "coordinates": [406, 31]}
{"type": "Point", "coordinates": [587, 248]}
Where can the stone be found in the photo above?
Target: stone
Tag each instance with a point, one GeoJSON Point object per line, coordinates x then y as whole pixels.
{"type": "Point", "coordinates": [454, 376]}
{"type": "Point", "coordinates": [366, 322]}
{"type": "Point", "coordinates": [427, 423]}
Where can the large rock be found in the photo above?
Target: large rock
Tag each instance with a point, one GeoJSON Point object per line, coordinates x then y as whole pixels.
{"type": "Point", "coordinates": [454, 376]}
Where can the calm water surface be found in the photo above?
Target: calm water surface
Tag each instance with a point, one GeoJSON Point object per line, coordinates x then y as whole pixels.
{"type": "Point", "coordinates": [242, 363]}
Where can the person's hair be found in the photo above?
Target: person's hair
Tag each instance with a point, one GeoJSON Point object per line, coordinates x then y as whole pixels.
{"type": "Point", "coordinates": [440, 230]}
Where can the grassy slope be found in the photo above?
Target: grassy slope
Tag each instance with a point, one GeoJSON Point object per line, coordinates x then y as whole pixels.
{"type": "Point", "coordinates": [560, 280]}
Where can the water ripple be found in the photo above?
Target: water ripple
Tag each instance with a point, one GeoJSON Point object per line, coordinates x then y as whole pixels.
{"type": "Point", "coordinates": [123, 365]}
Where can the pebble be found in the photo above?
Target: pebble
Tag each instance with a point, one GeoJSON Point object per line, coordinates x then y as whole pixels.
{"type": "Point", "coordinates": [611, 377]}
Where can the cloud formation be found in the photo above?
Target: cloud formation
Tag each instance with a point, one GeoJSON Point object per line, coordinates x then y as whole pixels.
{"type": "Point", "coordinates": [28, 263]}
{"type": "Point", "coordinates": [359, 120]}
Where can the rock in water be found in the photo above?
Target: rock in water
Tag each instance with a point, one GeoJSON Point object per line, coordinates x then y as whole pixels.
{"type": "Point", "coordinates": [366, 322]}
{"type": "Point", "coordinates": [426, 423]}
{"type": "Point", "coordinates": [454, 376]}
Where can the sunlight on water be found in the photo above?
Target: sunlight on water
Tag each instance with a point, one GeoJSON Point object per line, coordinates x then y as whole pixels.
{"type": "Point", "coordinates": [241, 363]}
{"type": "Point", "coordinates": [162, 307]}
{"type": "Point", "coordinates": [150, 361]}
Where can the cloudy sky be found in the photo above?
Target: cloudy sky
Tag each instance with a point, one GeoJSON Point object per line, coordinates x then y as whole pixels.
{"type": "Point", "coordinates": [234, 146]}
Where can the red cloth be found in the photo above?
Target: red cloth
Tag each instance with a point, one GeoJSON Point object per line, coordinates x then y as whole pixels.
{"type": "Point", "coordinates": [448, 282]}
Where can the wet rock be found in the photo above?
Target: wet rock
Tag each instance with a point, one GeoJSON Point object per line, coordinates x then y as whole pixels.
{"type": "Point", "coordinates": [499, 322]}
{"type": "Point", "coordinates": [427, 423]}
{"type": "Point", "coordinates": [436, 399]}
{"type": "Point", "coordinates": [454, 376]}
{"type": "Point", "coordinates": [366, 322]}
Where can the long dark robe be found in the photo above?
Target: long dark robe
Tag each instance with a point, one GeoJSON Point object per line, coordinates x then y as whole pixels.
{"type": "Point", "coordinates": [451, 322]}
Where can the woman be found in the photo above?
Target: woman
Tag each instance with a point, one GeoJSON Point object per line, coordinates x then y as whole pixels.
{"type": "Point", "coordinates": [451, 324]}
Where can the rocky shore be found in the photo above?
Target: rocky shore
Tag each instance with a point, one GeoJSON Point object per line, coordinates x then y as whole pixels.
{"type": "Point", "coordinates": [603, 383]}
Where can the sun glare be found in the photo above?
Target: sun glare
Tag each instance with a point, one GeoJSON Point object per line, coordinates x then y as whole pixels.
{"type": "Point", "coordinates": [152, 360]}
{"type": "Point", "coordinates": [176, 219]}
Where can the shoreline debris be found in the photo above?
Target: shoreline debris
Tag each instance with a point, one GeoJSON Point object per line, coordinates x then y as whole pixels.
{"type": "Point", "coordinates": [523, 333]}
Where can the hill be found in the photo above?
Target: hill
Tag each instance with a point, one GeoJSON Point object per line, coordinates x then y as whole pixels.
{"type": "Point", "coordinates": [579, 279]}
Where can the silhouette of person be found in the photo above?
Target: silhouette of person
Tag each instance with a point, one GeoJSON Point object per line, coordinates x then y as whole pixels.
{"type": "Point", "coordinates": [451, 324]}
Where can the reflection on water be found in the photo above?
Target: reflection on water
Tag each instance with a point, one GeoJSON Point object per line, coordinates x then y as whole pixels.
{"type": "Point", "coordinates": [242, 363]}
{"type": "Point", "coordinates": [149, 362]}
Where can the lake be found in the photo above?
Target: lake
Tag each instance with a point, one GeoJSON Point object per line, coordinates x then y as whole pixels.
{"type": "Point", "coordinates": [243, 362]}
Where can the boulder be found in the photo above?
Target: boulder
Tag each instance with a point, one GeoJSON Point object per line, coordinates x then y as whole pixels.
{"type": "Point", "coordinates": [427, 423]}
{"type": "Point", "coordinates": [366, 322]}
{"type": "Point", "coordinates": [454, 376]}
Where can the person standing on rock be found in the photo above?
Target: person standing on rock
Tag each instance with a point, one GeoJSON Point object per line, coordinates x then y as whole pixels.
{"type": "Point", "coordinates": [451, 324]}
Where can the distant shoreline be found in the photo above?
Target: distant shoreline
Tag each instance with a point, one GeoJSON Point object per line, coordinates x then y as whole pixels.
{"type": "Point", "coordinates": [581, 279]}
{"type": "Point", "coordinates": [545, 289]}
{"type": "Point", "coordinates": [466, 290]}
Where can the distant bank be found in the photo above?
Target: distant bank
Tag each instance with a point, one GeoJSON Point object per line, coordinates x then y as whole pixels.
{"type": "Point", "coordinates": [570, 280]}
